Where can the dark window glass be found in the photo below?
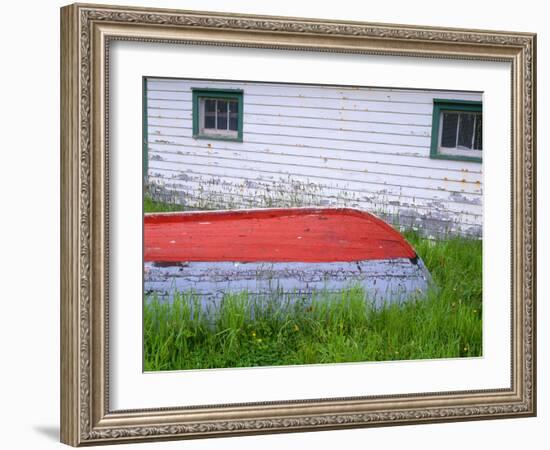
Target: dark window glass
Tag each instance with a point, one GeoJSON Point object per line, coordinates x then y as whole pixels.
{"type": "Point", "coordinates": [222, 115]}
{"type": "Point", "coordinates": [210, 105]}
{"type": "Point", "coordinates": [233, 115]}
{"type": "Point", "coordinates": [210, 122]}
{"type": "Point", "coordinates": [209, 113]}
{"type": "Point", "coordinates": [478, 133]}
{"type": "Point", "coordinates": [448, 133]}
{"type": "Point", "coordinates": [466, 130]}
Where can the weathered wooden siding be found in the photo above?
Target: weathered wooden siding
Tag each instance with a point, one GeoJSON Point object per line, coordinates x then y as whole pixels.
{"type": "Point", "coordinates": [307, 145]}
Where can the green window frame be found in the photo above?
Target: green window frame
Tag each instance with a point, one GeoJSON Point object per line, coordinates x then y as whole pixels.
{"type": "Point", "coordinates": [454, 106]}
{"type": "Point", "coordinates": [228, 98]}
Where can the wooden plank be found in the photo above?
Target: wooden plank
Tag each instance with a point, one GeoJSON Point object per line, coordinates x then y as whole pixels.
{"type": "Point", "coordinates": [177, 120]}
{"type": "Point", "coordinates": [338, 171]}
{"type": "Point", "coordinates": [205, 191]}
{"type": "Point", "coordinates": [306, 102]}
{"type": "Point", "coordinates": [282, 89]}
{"type": "Point", "coordinates": [355, 188]}
{"type": "Point", "coordinates": [178, 129]}
{"type": "Point", "coordinates": [276, 235]}
{"type": "Point", "coordinates": [334, 114]}
{"type": "Point", "coordinates": [384, 158]}
{"type": "Point", "coordinates": [280, 285]}
{"type": "Point", "coordinates": [378, 143]}
{"type": "Point", "coordinates": [364, 162]}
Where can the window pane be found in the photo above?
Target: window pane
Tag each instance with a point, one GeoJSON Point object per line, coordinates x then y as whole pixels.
{"type": "Point", "coordinates": [233, 115]}
{"type": "Point", "coordinates": [448, 132]}
{"type": "Point", "coordinates": [210, 105]}
{"type": "Point", "coordinates": [222, 115]}
{"type": "Point", "coordinates": [234, 106]}
{"type": "Point", "coordinates": [479, 132]}
{"type": "Point", "coordinates": [210, 121]}
{"type": "Point", "coordinates": [209, 113]}
{"type": "Point", "coordinates": [466, 130]}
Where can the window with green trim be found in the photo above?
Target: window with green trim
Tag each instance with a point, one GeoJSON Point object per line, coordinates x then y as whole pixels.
{"type": "Point", "coordinates": [457, 130]}
{"type": "Point", "coordinates": [218, 114]}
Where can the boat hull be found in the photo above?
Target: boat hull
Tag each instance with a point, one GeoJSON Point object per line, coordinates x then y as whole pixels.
{"type": "Point", "coordinates": [278, 255]}
{"type": "Point", "coordinates": [381, 281]}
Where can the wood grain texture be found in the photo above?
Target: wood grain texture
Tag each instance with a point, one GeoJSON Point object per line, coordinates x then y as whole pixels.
{"type": "Point", "coordinates": [280, 285]}
{"type": "Point", "coordinates": [369, 141]}
{"type": "Point", "coordinates": [275, 235]}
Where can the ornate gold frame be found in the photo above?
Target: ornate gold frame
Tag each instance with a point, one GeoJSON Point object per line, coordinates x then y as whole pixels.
{"type": "Point", "coordinates": [86, 31]}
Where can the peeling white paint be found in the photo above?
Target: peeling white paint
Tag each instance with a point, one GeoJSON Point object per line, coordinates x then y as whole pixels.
{"type": "Point", "coordinates": [305, 145]}
{"type": "Point", "coordinates": [383, 281]}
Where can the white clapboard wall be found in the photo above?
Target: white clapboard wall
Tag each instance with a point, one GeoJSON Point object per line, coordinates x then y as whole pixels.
{"type": "Point", "coordinates": [312, 145]}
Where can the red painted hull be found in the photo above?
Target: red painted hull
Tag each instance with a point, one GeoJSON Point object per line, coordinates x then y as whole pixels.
{"type": "Point", "coordinates": [274, 235]}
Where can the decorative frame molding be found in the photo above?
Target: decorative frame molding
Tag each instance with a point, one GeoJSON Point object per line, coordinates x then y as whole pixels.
{"type": "Point", "coordinates": [86, 31]}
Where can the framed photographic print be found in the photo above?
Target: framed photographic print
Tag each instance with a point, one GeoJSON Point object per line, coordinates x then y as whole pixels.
{"type": "Point", "coordinates": [275, 224]}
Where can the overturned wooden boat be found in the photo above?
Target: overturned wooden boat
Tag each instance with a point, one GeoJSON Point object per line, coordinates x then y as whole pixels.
{"type": "Point", "coordinates": [279, 253]}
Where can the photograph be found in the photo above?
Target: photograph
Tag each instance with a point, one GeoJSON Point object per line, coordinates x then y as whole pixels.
{"type": "Point", "coordinates": [289, 223]}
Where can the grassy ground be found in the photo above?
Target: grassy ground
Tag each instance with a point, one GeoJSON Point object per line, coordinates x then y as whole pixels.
{"type": "Point", "coordinates": [335, 328]}
{"type": "Point", "coordinates": [152, 206]}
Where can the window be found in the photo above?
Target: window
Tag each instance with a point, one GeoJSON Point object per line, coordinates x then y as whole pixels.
{"type": "Point", "coordinates": [457, 130]}
{"type": "Point", "coordinates": [218, 114]}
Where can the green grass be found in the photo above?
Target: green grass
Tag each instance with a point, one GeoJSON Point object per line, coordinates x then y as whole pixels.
{"type": "Point", "coordinates": [151, 206]}
{"type": "Point", "coordinates": [333, 328]}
